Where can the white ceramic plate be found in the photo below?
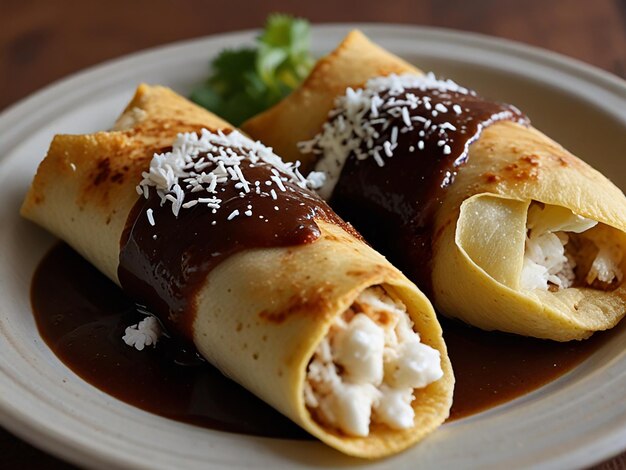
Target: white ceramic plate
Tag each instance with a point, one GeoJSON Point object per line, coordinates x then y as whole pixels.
{"type": "Point", "coordinates": [573, 422]}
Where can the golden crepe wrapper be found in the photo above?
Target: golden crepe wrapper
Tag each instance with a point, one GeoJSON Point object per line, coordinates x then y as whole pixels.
{"type": "Point", "coordinates": [479, 234]}
{"type": "Point", "coordinates": [261, 312]}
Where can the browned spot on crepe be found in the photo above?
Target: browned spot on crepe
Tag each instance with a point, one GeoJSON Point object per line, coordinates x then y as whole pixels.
{"type": "Point", "coordinates": [301, 303]}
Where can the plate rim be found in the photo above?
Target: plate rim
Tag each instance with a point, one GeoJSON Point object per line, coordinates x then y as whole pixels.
{"type": "Point", "coordinates": [27, 427]}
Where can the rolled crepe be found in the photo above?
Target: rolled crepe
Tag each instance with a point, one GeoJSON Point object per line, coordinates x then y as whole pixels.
{"type": "Point", "coordinates": [266, 316]}
{"type": "Point", "coordinates": [527, 239]}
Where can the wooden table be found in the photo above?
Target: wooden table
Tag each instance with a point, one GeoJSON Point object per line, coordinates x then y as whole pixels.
{"type": "Point", "coordinates": [42, 41]}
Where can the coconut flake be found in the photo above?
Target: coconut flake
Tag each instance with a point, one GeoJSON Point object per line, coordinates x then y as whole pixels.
{"type": "Point", "coordinates": [145, 333]}
{"type": "Point", "coordinates": [359, 114]}
{"type": "Point", "coordinates": [200, 165]}
{"type": "Point", "coordinates": [150, 215]}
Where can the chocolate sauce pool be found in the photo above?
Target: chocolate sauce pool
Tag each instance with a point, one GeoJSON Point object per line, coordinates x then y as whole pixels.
{"type": "Point", "coordinates": [82, 316]}
{"type": "Point", "coordinates": [394, 206]}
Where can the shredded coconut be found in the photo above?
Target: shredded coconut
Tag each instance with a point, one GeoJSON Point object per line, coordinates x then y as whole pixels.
{"type": "Point", "coordinates": [358, 115]}
{"type": "Point", "coordinates": [145, 333]}
{"type": "Point", "coordinates": [179, 178]}
{"type": "Point", "coordinates": [367, 367]}
{"type": "Point", "coordinates": [150, 215]}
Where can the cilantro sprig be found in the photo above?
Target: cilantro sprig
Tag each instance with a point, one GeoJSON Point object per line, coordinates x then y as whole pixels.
{"type": "Point", "coordinates": [245, 81]}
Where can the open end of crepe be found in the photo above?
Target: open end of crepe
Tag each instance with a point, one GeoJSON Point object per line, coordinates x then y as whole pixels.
{"type": "Point", "coordinates": [367, 367]}
{"type": "Point", "coordinates": [565, 250]}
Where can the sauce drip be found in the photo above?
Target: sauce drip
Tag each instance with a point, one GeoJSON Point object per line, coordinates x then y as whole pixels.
{"type": "Point", "coordinates": [163, 266]}
{"type": "Point", "coordinates": [82, 315]}
{"type": "Point", "coordinates": [394, 206]}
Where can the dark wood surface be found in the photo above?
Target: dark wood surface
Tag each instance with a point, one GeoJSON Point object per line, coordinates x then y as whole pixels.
{"type": "Point", "coordinates": [42, 41]}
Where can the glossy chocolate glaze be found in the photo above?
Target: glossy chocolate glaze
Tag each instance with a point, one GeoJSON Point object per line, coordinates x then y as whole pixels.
{"type": "Point", "coordinates": [394, 206]}
{"type": "Point", "coordinates": [164, 266]}
{"type": "Point", "coordinates": [82, 315]}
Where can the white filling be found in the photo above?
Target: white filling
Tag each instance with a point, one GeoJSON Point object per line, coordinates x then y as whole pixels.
{"type": "Point", "coordinates": [605, 266]}
{"type": "Point", "coordinates": [367, 366]}
{"type": "Point", "coordinates": [546, 258]}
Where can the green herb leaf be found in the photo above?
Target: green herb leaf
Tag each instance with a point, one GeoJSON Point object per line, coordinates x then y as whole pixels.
{"type": "Point", "coordinates": [243, 82]}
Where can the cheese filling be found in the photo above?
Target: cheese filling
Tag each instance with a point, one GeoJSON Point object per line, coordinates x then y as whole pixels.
{"type": "Point", "coordinates": [562, 251]}
{"type": "Point", "coordinates": [366, 368]}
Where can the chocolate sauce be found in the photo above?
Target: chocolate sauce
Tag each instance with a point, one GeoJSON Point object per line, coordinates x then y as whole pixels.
{"type": "Point", "coordinates": [491, 368]}
{"type": "Point", "coordinates": [82, 315]}
{"type": "Point", "coordinates": [163, 266]}
{"type": "Point", "coordinates": [394, 206]}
